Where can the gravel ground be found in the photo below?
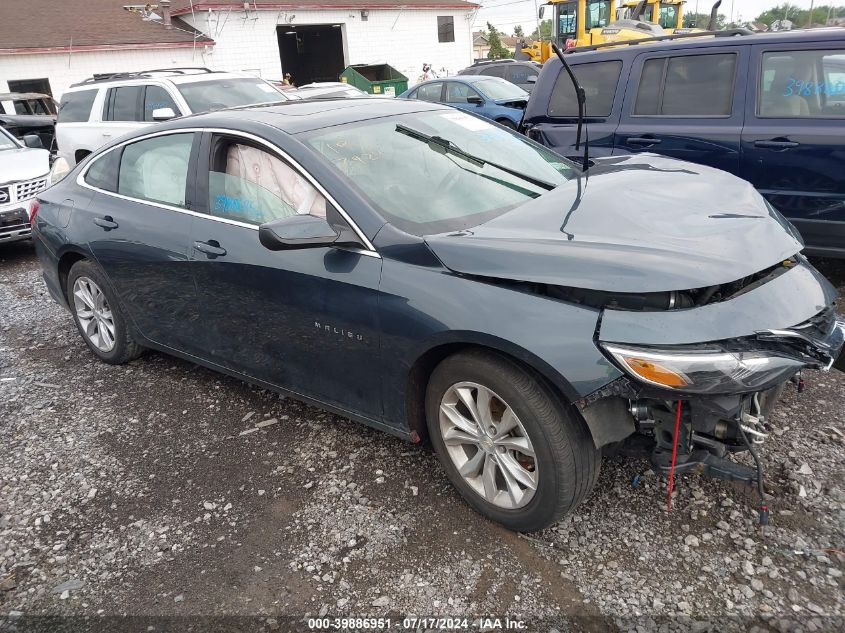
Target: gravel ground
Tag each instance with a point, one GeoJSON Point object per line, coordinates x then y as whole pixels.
{"type": "Point", "coordinates": [160, 490]}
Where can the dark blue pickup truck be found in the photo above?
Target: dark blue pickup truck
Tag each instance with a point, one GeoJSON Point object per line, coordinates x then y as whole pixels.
{"type": "Point", "coordinates": [768, 107]}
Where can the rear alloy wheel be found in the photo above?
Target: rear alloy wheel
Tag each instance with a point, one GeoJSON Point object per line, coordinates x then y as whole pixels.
{"type": "Point", "coordinates": [507, 442]}
{"type": "Point", "coordinates": [98, 316]}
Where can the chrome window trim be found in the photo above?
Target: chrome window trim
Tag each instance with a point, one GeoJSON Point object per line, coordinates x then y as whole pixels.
{"type": "Point", "coordinates": [370, 251]}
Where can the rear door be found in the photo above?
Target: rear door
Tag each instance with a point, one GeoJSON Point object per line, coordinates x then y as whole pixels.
{"type": "Point", "coordinates": [793, 143]}
{"type": "Point", "coordinates": [137, 226]}
{"type": "Point", "coordinates": [686, 104]}
{"type": "Point", "coordinates": [123, 111]}
{"type": "Point", "coordinates": [557, 130]}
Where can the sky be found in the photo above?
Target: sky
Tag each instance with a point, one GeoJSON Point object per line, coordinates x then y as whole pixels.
{"type": "Point", "coordinates": [506, 14]}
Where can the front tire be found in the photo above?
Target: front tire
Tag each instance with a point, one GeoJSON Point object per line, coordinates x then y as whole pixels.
{"type": "Point", "coordinates": [98, 316]}
{"type": "Point", "coordinates": [507, 443]}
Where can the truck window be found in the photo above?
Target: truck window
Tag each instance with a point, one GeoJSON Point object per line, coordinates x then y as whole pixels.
{"type": "Point", "coordinates": [802, 84]}
{"type": "Point", "coordinates": [689, 86]}
{"type": "Point", "coordinates": [124, 104]}
{"type": "Point", "coordinates": [76, 106]}
{"type": "Point", "coordinates": [599, 80]}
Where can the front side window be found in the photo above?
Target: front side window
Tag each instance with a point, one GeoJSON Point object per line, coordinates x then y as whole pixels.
{"type": "Point", "coordinates": [689, 86]}
{"type": "Point", "coordinates": [156, 169]}
{"type": "Point", "coordinates": [123, 104]}
{"type": "Point", "coordinates": [599, 80]}
{"type": "Point", "coordinates": [803, 84]}
{"type": "Point", "coordinates": [429, 92]}
{"type": "Point", "coordinates": [445, 28]}
{"type": "Point", "coordinates": [251, 185]}
{"type": "Point", "coordinates": [494, 70]}
{"type": "Point", "coordinates": [217, 94]}
{"type": "Point", "coordinates": [156, 98]}
{"type": "Point", "coordinates": [75, 107]}
{"type": "Point", "coordinates": [401, 166]}
{"type": "Point", "coordinates": [459, 93]}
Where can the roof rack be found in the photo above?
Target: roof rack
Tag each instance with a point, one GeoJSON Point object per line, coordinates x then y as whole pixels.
{"type": "Point", "coordinates": [661, 38]}
{"type": "Point", "coordinates": [495, 61]}
{"type": "Point", "coordinates": [98, 77]}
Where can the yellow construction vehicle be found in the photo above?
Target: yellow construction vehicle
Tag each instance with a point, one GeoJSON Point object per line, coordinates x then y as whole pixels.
{"type": "Point", "coordinates": [578, 23]}
{"type": "Point", "coordinates": [586, 23]}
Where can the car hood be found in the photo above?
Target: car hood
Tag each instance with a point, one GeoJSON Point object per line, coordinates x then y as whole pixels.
{"type": "Point", "coordinates": [641, 223]}
{"type": "Point", "coordinates": [23, 164]}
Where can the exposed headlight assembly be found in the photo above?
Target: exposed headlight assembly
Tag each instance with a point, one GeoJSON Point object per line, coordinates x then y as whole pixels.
{"type": "Point", "coordinates": [59, 170]}
{"type": "Point", "coordinates": [704, 371]}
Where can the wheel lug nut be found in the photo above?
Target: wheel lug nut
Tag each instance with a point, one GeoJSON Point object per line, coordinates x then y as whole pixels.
{"type": "Point", "coordinates": [502, 449]}
{"type": "Point", "coordinates": [492, 430]}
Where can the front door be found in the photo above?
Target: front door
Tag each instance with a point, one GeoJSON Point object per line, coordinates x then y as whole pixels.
{"type": "Point", "coordinates": [304, 320]}
{"type": "Point", "coordinates": [686, 106]}
{"type": "Point", "coordinates": [792, 143]}
{"type": "Point", "coordinates": [140, 235]}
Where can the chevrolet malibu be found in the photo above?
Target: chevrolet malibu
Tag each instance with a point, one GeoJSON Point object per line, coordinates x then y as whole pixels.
{"type": "Point", "coordinates": [437, 276]}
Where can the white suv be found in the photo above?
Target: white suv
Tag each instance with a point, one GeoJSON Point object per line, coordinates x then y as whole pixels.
{"type": "Point", "coordinates": [95, 111]}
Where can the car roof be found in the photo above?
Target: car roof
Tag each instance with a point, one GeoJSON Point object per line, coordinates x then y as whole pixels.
{"type": "Point", "coordinates": [701, 42]}
{"type": "Point", "coordinates": [152, 78]}
{"type": "Point", "coordinates": [294, 117]}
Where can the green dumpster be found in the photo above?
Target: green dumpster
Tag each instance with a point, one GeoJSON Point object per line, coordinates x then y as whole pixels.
{"type": "Point", "coordinates": [377, 79]}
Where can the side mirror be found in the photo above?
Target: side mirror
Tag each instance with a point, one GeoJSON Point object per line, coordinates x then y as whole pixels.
{"type": "Point", "coordinates": [541, 12]}
{"type": "Point", "coordinates": [163, 114]}
{"type": "Point", "coordinates": [297, 231]}
{"type": "Point", "coordinates": [33, 141]}
{"type": "Point", "coordinates": [476, 100]}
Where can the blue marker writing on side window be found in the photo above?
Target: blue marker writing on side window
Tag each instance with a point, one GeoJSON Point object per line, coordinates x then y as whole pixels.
{"type": "Point", "coordinates": [799, 88]}
{"type": "Point", "coordinates": [241, 208]}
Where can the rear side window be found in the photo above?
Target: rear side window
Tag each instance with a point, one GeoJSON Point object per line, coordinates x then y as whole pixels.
{"type": "Point", "coordinates": [155, 98]}
{"type": "Point", "coordinates": [493, 71]}
{"type": "Point", "coordinates": [124, 104]}
{"type": "Point", "coordinates": [802, 84]}
{"type": "Point", "coordinates": [519, 74]}
{"type": "Point", "coordinates": [691, 85]}
{"type": "Point", "coordinates": [75, 107]}
{"type": "Point", "coordinates": [103, 171]}
{"type": "Point", "coordinates": [156, 169]}
{"type": "Point", "coordinates": [599, 80]}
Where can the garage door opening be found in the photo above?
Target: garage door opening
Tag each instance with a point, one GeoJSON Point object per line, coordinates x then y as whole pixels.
{"type": "Point", "coordinates": [311, 52]}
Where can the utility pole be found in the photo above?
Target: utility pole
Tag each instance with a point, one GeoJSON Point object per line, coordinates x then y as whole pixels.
{"type": "Point", "coordinates": [537, 16]}
{"type": "Point", "coordinates": [810, 16]}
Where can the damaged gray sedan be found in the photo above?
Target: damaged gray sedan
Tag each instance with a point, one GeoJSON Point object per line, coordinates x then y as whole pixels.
{"type": "Point", "coordinates": [434, 275]}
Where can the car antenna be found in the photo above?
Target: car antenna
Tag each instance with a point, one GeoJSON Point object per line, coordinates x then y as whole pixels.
{"type": "Point", "coordinates": [582, 104]}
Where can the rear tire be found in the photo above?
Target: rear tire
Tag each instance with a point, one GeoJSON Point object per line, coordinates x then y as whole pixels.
{"type": "Point", "coordinates": [565, 462]}
{"type": "Point", "coordinates": [98, 315]}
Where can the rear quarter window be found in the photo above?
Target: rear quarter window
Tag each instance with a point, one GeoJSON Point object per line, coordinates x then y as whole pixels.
{"type": "Point", "coordinates": [599, 80]}
{"type": "Point", "coordinates": [75, 107]}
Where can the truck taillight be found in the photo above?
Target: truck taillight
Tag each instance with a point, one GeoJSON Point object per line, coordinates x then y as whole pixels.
{"type": "Point", "coordinates": [33, 210]}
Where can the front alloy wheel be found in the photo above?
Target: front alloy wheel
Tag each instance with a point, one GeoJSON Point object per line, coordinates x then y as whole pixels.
{"type": "Point", "coordinates": [488, 445]}
{"type": "Point", "coordinates": [508, 442]}
{"type": "Point", "coordinates": [94, 314]}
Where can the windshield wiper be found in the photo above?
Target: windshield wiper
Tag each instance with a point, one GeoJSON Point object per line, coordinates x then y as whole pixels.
{"type": "Point", "coordinates": [442, 145]}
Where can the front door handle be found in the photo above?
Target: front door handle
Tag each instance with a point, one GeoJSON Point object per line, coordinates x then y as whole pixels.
{"type": "Point", "coordinates": [775, 144]}
{"type": "Point", "coordinates": [106, 222]}
{"type": "Point", "coordinates": [643, 140]}
{"type": "Point", "coordinates": [211, 248]}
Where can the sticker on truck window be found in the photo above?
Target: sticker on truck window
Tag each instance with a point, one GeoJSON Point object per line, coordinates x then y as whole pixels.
{"type": "Point", "coordinates": [471, 123]}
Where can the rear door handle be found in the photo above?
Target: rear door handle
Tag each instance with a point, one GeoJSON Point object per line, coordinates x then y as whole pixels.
{"type": "Point", "coordinates": [211, 248]}
{"type": "Point", "coordinates": [106, 222]}
{"type": "Point", "coordinates": [775, 144]}
{"type": "Point", "coordinates": [643, 140]}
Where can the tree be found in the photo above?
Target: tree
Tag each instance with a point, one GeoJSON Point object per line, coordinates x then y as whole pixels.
{"type": "Point", "coordinates": [702, 20]}
{"type": "Point", "coordinates": [497, 50]}
{"type": "Point", "coordinates": [545, 31]}
{"type": "Point", "coordinates": [798, 16]}
{"type": "Point", "coordinates": [518, 32]}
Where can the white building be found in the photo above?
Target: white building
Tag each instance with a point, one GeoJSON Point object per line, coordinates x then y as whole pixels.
{"type": "Point", "coordinates": [46, 46]}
